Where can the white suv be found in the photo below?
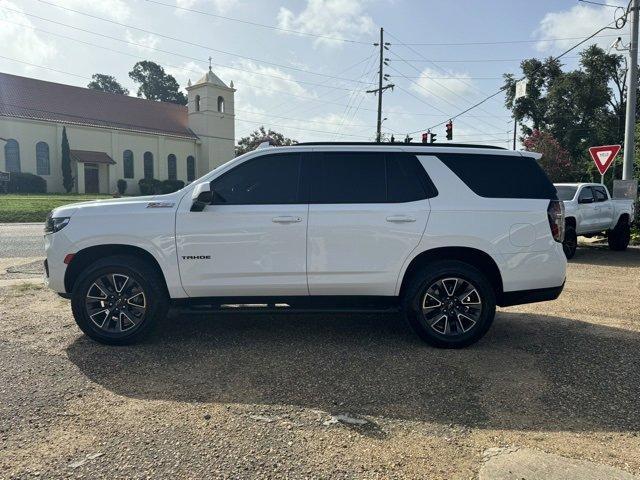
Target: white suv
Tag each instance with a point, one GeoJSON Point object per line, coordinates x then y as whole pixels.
{"type": "Point", "coordinates": [442, 233]}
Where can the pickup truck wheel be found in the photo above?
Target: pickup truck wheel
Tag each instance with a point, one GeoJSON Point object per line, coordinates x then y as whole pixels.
{"type": "Point", "coordinates": [620, 236]}
{"type": "Point", "coordinates": [117, 300]}
{"type": "Point", "coordinates": [450, 304]}
{"type": "Point", "coordinates": [570, 243]}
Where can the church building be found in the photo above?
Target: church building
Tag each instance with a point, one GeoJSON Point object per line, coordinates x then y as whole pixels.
{"type": "Point", "coordinates": [113, 136]}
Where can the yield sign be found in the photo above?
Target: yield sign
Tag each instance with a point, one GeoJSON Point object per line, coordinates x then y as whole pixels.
{"type": "Point", "coordinates": [603, 156]}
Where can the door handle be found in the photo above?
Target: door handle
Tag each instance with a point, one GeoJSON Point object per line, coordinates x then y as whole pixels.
{"type": "Point", "coordinates": [400, 219]}
{"type": "Point", "coordinates": [286, 219]}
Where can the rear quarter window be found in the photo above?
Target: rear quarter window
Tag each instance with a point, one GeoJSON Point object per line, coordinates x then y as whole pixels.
{"type": "Point", "coordinates": [501, 176]}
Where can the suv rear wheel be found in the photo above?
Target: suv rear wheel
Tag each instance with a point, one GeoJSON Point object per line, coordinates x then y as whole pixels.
{"type": "Point", "coordinates": [118, 299]}
{"type": "Point", "coordinates": [620, 236]}
{"type": "Point", "coordinates": [450, 304]}
{"type": "Point", "coordinates": [570, 242]}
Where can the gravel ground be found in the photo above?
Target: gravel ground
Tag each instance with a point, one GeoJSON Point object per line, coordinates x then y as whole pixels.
{"type": "Point", "coordinates": [21, 240]}
{"type": "Point", "coordinates": [323, 396]}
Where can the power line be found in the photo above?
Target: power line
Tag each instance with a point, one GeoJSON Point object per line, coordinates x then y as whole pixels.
{"type": "Point", "coordinates": [262, 25]}
{"type": "Point", "coordinates": [168, 37]}
{"type": "Point", "coordinates": [469, 60]}
{"type": "Point", "coordinates": [500, 42]}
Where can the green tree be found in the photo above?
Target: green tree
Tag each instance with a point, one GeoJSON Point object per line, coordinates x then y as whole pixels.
{"type": "Point", "coordinates": [67, 177]}
{"type": "Point", "coordinates": [155, 84]}
{"type": "Point", "coordinates": [106, 83]}
{"type": "Point", "coordinates": [255, 138]}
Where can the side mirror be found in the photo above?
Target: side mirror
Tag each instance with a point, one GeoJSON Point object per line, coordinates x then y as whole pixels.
{"type": "Point", "coordinates": [201, 197]}
{"type": "Point", "coordinates": [586, 200]}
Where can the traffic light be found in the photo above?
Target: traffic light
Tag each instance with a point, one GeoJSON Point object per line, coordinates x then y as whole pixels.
{"type": "Point", "coordinates": [425, 137]}
{"type": "Point", "coordinates": [449, 130]}
{"type": "Point", "coordinates": [433, 138]}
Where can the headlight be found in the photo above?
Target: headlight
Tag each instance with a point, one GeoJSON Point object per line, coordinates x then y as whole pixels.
{"type": "Point", "coordinates": [55, 224]}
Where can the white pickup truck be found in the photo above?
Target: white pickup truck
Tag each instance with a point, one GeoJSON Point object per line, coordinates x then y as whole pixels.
{"type": "Point", "coordinates": [590, 211]}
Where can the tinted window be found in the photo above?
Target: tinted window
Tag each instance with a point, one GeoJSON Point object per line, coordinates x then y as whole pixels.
{"type": "Point", "coordinates": [500, 176]}
{"type": "Point", "coordinates": [172, 167]}
{"type": "Point", "coordinates": [403, 179]}
{"type": "Point", "coordinates": [566, 193]}
{"type": "Point", "coordinates": [586, 194]}
{"type": "Point", "coordinates": [344, 177]}
{"type": "Point", "coordinates": [127, 159]}
{"type": "Point", "coordinates": [600, 193]}
{"type": "Point", "coordinates": [148, 165]}
{"type": "Point", "coordinates": [270, 179]}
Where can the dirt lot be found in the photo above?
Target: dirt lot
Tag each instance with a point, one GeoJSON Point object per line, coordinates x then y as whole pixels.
{"type": "Point", "coordinates": [253, 397]}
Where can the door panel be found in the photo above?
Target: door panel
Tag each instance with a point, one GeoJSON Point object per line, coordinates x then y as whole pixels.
{"type": "Point", "coordinates": [251, 252]}
{"type": "Point", "coordinates": [588, 212]}
{"type": "Point", "coordinates": [359, 249]}
{"type": "Point", "coordinates": [604, 208]}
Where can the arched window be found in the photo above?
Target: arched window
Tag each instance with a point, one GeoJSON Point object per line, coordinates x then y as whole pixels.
{"type": "Point", "coordinates": [172, 167]}
{"type": "Point", "coordinates": [42, 159]}
{"type": "Point", "coordinates": [191, 168]}
{"type": "Point", "coordinates": [197, 103]}
{"type": "Point", "coordinates": [221, 104]}
{"type": "Point", "coordinates": [12, 155]}
{"type": "Point", "coordinates": [127, 163]}
{"type": "Point", "coordinates": [148, 165]}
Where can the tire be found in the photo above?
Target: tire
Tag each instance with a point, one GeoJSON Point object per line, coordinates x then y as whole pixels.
{"type": "Point", "coordinates": [570, 243]}
{"type": "Point", "coordinates": [139, 301]}
{"type": "Point", "coordinates": [620, 236]}
{"type": "Point", "coordinates": [434, 283]}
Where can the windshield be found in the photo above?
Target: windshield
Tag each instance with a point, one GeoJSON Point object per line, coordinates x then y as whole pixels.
{"type": "Point", "coordinates": [566, 193]}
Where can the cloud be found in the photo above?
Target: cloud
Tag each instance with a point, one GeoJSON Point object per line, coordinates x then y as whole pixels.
{"type": "Point", "coordinates": [19, 42]}
{"type": "Point", "coordinates": [333, 18]}
{"type": "Point", "coordinates": [143, 42]}
{"type": "Point", "coordinates": [116, 9]}
{"type": "Point", "coordinates": [578, 21]}
{"type": "Point", "coordinates": [220, 6]}
{"type": "Point", "coordinates": [435, 84]}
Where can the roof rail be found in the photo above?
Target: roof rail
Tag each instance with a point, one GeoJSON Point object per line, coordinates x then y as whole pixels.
{"type": "Point", "coordinates": [401, 144]}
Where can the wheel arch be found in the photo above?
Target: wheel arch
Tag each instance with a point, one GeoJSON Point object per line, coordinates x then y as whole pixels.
{"type": "Point", "coordinates": [625, 218]}
{"type": "Point", "coordinates": [570, 222]}
{"type": "Point", "coordinates": [477, 258]}
{"type": "Point", "coordinates": [88, 255]}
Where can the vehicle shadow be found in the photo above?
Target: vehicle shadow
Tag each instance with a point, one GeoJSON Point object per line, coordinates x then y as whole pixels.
{"type": "Point", "coordinates": [601, 255]}
{"type": "Point", "coordinates": [530, 372]}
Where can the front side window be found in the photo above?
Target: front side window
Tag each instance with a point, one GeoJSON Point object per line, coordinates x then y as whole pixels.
{"type": "Point", "coordinates": [12, 156]}
{"type": "Point", "coordinates": [42, 159]}
{"type": "Point", "coordinates": [345, 177]}
{"type": "Point", "coordinates": [148, 165]}
{"type": "Point", "coordinates": [586, 195]}
{"type": "Point", "coordinates": [266, 180]}
{"type": "Point", "coordinates": [127, 163]}
{"type": "Point", "coordinates": [172, 167]}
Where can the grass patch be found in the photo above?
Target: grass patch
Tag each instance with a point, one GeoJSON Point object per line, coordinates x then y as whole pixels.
{"type": "Point", "coordinates": [34, 207]}
{"type": "Point", "coordinates": [27, 287]}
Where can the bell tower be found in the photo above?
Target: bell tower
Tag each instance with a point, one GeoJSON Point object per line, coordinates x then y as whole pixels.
{"type": "Point", "coordinates": [211, 117]}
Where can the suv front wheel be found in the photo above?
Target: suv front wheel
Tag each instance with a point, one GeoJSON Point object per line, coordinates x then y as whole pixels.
{"type": "Point", "coordinates": [118, 299]}
{"type": "Point", "coordinates": [450, 304]}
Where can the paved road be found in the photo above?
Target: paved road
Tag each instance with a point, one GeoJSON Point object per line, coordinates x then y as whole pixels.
{"type": "Point", "coordinates": [21, 240]}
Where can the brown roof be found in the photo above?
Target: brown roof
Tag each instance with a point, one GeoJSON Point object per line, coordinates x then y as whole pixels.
{"type": "Point", "coordinates": [25, 97]}
{"type": "Point", "coordinates": [87, 156]}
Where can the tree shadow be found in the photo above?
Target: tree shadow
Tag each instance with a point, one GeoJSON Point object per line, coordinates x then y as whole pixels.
{"type": "Point", "coordinates": [601, 255]}
{"type": "Point", "coordinates": [530, 372]}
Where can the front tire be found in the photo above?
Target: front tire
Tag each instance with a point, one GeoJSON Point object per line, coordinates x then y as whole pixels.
{"type": "Point", "coordinates": [620, 236]}
{"type": "Point", "coordinates": [118, 299]}
{"type": "Point", "coordinates": [570, 242]}
{"type": "Point", "coordinates": [450, 304]}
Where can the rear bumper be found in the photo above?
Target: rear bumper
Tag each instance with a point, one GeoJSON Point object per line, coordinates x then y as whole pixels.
{"type": "Point", "coordinates": [520, 297]}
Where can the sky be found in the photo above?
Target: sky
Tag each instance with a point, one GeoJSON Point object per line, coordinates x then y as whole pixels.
{"type": "Point", "coordinates": [302, 67]}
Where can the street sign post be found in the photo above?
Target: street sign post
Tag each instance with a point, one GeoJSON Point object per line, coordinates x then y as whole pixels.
{"type": "Point", "coordinates": [603, 156]}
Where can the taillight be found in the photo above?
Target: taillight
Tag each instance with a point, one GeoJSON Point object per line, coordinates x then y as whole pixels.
{"type": "Point", "coordinates": [555, 214]}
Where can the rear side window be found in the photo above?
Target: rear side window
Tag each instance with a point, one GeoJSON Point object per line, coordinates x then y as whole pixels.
{"type": "Point", "coordinates": [406, 179]}
{"type": "Point", "coordinates": [345, 177]}
{"type": "Point", "coordinates": [600, 194]}
{"type": "Point", "coordinates": [501, 176]}
{"type": "Point", "coordinates": [266, 180]}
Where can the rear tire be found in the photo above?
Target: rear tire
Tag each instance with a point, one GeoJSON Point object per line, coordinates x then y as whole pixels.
{"type": "Point", "coordinates": [449, 304]}
{"type": "Point", "coordinates": [620, 236]}
{"type": "Point", "coordinates": [570, 242]}
{"type": "Point", "coordinates": [117, 300]}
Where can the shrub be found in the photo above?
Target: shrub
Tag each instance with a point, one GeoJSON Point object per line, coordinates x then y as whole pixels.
{"type": "Point", "coordinates": [150, 186]}
{"type": "Point", "coordinates": [170, 186]}
{"type": "Point", "coordinates": [26, 183]}
{"type": "Point", "coordinates": [122, 186]}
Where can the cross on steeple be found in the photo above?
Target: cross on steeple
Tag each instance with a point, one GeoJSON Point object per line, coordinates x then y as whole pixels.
{"type": "Point", "coordinates": [210, 62]}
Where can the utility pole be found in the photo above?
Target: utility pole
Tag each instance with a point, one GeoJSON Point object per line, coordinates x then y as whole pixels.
{"type": "Point", "coordinates": [380, 89]}
{"type": "Point", "coordinates": [630, 123]}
